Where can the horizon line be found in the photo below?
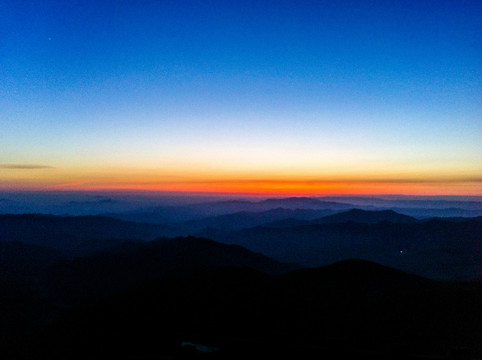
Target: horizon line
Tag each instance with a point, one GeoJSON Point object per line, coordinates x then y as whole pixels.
{"type": "Point", "coordinates": [118, 191]}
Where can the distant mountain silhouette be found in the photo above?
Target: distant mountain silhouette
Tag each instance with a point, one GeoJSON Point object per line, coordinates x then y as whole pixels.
{"type": "Point", "coordinates": [246, 219]}
{"type": "Point", "coordinates": [366, 217]}
{"type": "Point", "coordinates": [412, 202]}
{"type": "Point", "coordinates": [353, 215]}
{"type": "Point", "coordinates": [304, 203]}
{"type": "Point", "coordinates": [287, 223]}
{"type": "Point", "coordinates": [75, 235]}
{"type": "Point", "coordinates": [426, 213]}
{"type": "Point", "coordinates": [172, 214]}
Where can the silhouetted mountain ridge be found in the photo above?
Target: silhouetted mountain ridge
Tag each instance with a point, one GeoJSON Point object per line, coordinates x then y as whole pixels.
{"type": "Point", "coordinates": [366, 217]}
{"type": "Point", "coordinates": [183, 213]}
{"type": "Point", "coordinates": [437, 248]}
{"type": "Point", "coordinates": [304, 203]}
{"type": "Point", "coordinates": [357, 273]}
{"type": "Point", "coordinates": [246, 219]}
{"type": "Point", "coordinates": [74, 235]}
{"type": "Point", "coordinates": [134, 263]}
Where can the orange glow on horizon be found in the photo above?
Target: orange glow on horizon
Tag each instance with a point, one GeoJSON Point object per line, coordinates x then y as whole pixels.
{"type": "Point", "coordinates": [274, 187]}
{"type": "Point", "coordinates": [243, 183]}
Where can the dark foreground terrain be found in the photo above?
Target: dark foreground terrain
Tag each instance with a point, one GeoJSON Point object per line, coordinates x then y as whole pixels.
{"type": "Point", "coordinates": [195, 298]}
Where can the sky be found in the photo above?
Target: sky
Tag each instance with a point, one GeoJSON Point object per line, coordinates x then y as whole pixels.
{"type": "Point", "coordinates": [259, 97]}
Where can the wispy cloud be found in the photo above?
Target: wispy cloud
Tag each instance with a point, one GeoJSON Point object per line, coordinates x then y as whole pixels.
{"type": "Point", "coordinates": [24, 166]}
{"type": "Point", "coordinates": [69, 184]}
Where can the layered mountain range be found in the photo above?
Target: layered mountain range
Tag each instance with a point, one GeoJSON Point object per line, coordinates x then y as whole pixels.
{"type": "Point", "coordinates": [304, 282]}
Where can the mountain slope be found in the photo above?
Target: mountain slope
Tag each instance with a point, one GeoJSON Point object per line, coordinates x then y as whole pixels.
{"type": "Point", "coordinates": [303, 203]}
{"type": "Point", "coordinates": [177, 214]}
{"type": "Point", "coordinates": [74, 235]}
{"type": "Point", "coordinates": [440, 249]}
{"type": "Point", "coordinates": [366, 217]}
{"type": "Point", "coordinates": [246, 219]}
{"type": "Point", "coordinates": [133, 263]}
{"type": "Point", "coordinates": [348, 308]}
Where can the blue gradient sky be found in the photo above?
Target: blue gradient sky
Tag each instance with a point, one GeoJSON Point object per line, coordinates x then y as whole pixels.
{"type": "Point", "coordinates": [157, 94]}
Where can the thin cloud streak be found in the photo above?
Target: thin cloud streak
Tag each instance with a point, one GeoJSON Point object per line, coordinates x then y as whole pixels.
{"type": "Point", "coordinates": [24, 166]}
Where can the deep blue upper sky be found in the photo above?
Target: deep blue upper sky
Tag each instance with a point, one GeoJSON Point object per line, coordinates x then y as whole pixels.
{"type": "Point", "coordinates": [322, 83]}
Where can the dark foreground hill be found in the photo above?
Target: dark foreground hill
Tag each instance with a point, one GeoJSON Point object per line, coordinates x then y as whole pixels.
{"type": "Point", "coordinates": [136, 263]}
{"type": "Point", "coordinates": [36, 283]}
{"type": "Point", "coordinates": [354, 308]}
{"type": "Point", "coordinates": [144, 300]}
{"type": "Point", "coordinates": [26, 259]}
